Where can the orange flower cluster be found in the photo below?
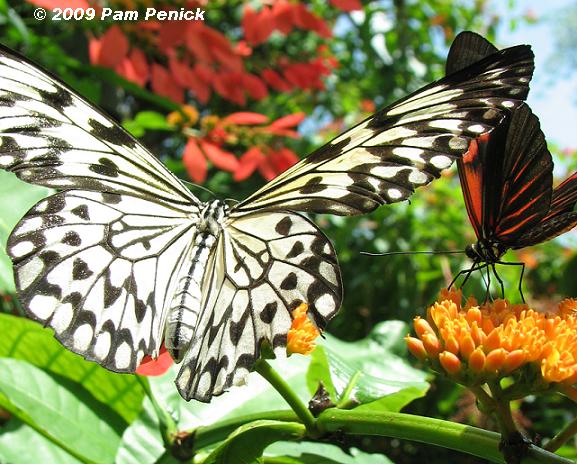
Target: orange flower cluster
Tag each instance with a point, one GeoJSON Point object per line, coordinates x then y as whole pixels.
{"type": "Point", "coordinates": [474, 344]}
{"type": "Point", "coordinates": [303, 333]}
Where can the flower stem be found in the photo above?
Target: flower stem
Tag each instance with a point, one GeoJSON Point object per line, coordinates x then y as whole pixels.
{"type": "Point", "coordinates": [168, 427]}
{"type": "Point", "coordinates": [272, 376]}
{"type": "Point", "coordinates": [460, 437]}
{"type": "Point", "coordinates": [503, 411]}
{"type": "Point", "coordinates": [558, 440]}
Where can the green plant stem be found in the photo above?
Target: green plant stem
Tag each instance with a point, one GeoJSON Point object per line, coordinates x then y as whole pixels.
{"type": "Point", "coordinates": [558, 440]}
{"type": "Point", "coordinates": [168, 427]}
{"type": "Point", "coordinates": [503, 411]}
{"type": "Point", "coordinates": [272, 376]}
{"type": "Point", "coordinates": [466, 439]}
{"type": "Point", "coordinates": [210, 434]}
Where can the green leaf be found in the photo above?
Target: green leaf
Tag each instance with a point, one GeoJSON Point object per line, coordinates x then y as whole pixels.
{"type": "Point", "coordinates": [20, 444]}
{"type": "Point", "coordinates": [323, 453]}
{"type": "Point", "coordinates": [372, 369]}
{"type": "Point", "coordinates": [319, 371]}
{"type": "Point", "coordinates": [17, 198]}
{"type": "Point", "coordinates": [141, 442]}
{"type": "Point", "coordinates": [247, 443]}
{"type": "Point", "coordinates": [57, 411]}
{"type": "Point", "coordinates": [27, 340]}
{"type": "Point", "coordinates": [146, 120]}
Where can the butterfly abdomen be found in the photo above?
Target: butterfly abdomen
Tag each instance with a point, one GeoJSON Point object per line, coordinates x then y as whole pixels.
{"type": "Point", "coordinates": [186, 302]}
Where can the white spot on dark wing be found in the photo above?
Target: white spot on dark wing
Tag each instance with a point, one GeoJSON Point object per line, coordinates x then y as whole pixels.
{"type": "Point", "coordinates": [62, 318]}
{"type": "Point", "coordinates": [42, 306]}
{"type": "Point", "coordinates": [21, 249]}
{"type": "Point", "coordinates": [477, 128]}
{"type": "Point", "coordinates": [394, 194]}
{"type": "Point", "coordinates": [28, 272]}
{"type": "Point", "coordinates": [82, 337]}
{"type": "Point", "coordinates": [102, 346]}
{"type": "Point", "coordinates": [122, 356]}
{"type": "Point", "coordinates": [458, 143]}
{"type": "Point", "coordinates": [390, 135]}
{"type": "Point", "coordinates": [441, 161]}
{"type": "Point", "coordinates": [508, 104]}
{"type": "Point", "coordinates": [417, 177]}
{"type": "Point", "coordinates": [447, 124]}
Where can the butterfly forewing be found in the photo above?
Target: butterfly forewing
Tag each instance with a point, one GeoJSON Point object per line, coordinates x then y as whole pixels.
{"type": "Point", "coordinates": [53, 137]}
{"type": "Point", "coordinates": [384, 158]}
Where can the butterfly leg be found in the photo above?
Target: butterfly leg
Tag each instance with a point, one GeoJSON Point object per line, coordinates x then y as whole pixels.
{"type": "Point", "coordinates": [468, 273]}
{"type": "Point", "coordinates": [498, 280]}
{"type": "Point", "coordinates": [520, 287]}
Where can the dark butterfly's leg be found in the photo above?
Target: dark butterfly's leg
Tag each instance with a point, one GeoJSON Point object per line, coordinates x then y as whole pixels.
{"type": "Point", "coordinates": [469, 271]}
{"type": "Point", "coordinates": [498, 280]}
{"type": "Point", "coordinates": [520, 278]}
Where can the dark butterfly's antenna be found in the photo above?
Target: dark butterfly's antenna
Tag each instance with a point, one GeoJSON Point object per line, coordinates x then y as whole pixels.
{"type": "Point", "coordinates": [390, 253]}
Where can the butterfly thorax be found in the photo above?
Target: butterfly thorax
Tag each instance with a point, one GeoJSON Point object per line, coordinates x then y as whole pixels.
{"type": "Point", "coordinates": [486, 251]}
{"type": "Point", "coordinates": [187, 299]}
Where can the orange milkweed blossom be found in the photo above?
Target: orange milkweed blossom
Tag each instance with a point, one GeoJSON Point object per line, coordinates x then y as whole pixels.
{"type": "Point", "coordinates": [303, 333]}
{"type": "Point", "coordinates": [474, 344]}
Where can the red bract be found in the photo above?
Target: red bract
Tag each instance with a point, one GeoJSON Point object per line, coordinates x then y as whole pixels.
{"type": "Point", "coordinates": [283, 13]}
{"type": "Point", "coordinates": [110, 49]}
{"type": "Point", "coordinates": [304, 19]}
{"type": "Point", "coordinates": [51, 4]}
{"type": "Point", "coordinates": [228, 86]}
{"type": "Point", "coordinates": [275, 80]}
{"type": "Point", "coordinates": [254, 86]}
{"type": "Point", "coordinates": [245, 117]}
{"type": "Point", "coordinates": [164, 84]}
{"type": "Point", "coordinates": [270, 163]}
{"type": "Point", "coordinates": [171, 34]}
{"type": "Point", "coordinates": [347, 5]}
{"type": "Point", "coordinates": [281, 126]}
{"type": "Point", "coordinates": [259, 26]}
{"type": "Point", "coordinates": [222, 159]}
{"type": "Point", "coordinates": [154, 367]}
{"type": "Point", "coordinates": [248, 163]}
{"type": "Point", "coordinates": [135, 67]}
{"type": "Point", "coordinates": [194, 161]}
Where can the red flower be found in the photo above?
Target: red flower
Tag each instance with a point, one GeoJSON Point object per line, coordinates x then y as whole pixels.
{"type": "Point", "coordinates": [51, 4]}
{"type": "Point", "coordinates": [135, 67]}
{"type": "Point", "coordinates": [275, 80]}
{"type": "Point", "coordinates": [269, 165]}
{"type": "Point", "coordinates": [254, 86]}
{"type": "Point", "coordinates": [222, 159]}
{"type": "Point", "coordinates": [281, 126]}
{"type": "Point", "coordinates": [164, 84]}
{"type": "Point", "coordinates": [152, 367]}
{"type": "Point", "coordinates": [194, 161]}
{"type": "Point", "coordinates": [228, 86]}
{"type": "Point", "coordinates": [110, 49]}
{"type": "Point", "coordinates": [305, 19]}
{"type": "Point", "coordinates": [259, 26]}
{"type": "Point", "coordinates": [245, 117]}
{"type": "Point", "coordinates": [171, 34]}
{"type": "Point", "coordinates": [347, 5]}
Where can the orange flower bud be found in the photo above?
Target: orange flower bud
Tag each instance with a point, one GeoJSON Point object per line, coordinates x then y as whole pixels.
{"type": "Point", "coordinates": [474, 315]}
{"type": "Point", "coordinates": [422, 327]}
{"type": "Point", "coordinates": [493, 340]}
{"type": "Point", "coordinates": [495, 360]}
{"type": "Point", "coordinates": [451, 344]}
{"type": "Point", "coordinates": [477, 360]}
{"type": "Point", "coordinates": [431, 344]}
{"type": "Point", "coordinates": [450, 362]}
{"type": "Point", "coordinates": [416, 347]}
{"type": "Point", "coordinates": [466, 345]}
{"type": "Point", "coordinates": [514, 360]}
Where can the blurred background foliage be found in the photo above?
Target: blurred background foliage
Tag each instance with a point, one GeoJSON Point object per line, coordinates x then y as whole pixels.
{"type": "Point", "coordinates": [334, 62]}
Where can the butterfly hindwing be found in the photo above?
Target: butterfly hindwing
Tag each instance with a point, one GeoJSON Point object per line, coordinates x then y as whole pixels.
{"type": "Point", "coordinates": [84, 266]}
{"type": "Point", "coordinates": [264, 266]}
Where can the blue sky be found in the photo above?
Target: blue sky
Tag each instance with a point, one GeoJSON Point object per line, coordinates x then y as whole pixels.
{"type": "Point", "coordinates": [553, 96]}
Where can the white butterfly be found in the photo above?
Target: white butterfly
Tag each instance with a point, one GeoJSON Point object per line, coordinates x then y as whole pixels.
{"type": "Point", "coordinates": [124, 257]}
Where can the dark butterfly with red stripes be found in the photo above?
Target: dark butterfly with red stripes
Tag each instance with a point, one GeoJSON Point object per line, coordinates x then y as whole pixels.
{"type": "Point", "coordinates": [507, 179]}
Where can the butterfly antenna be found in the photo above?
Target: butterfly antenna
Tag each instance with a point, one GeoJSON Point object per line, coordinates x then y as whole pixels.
{"type": "Point", "coordinates": [202, 187]}
{"type": "Point", "coordinates": [390, 253]}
